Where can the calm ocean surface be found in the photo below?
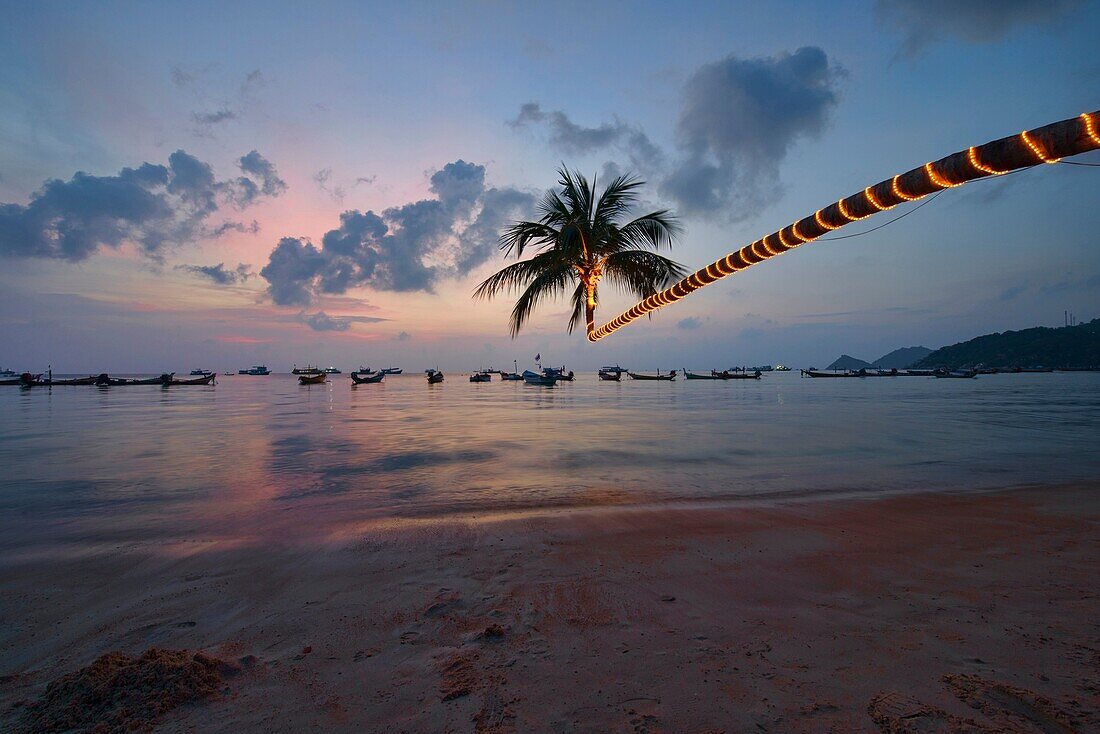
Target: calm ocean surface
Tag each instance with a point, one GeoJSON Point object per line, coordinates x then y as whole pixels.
{"type": "Point", "coordinates": [258, 458]}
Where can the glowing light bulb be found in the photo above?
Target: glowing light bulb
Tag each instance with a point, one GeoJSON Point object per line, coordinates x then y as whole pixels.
{"type": "Point", "coordinates": [938, 180]}
{"type": "Point", "coordinates": [972, 156]}
{"type": "Point", "coordinates": [1036, 149]}
{"type": "Point", "coordinates": [1090, 128]}
{"type": "Point", "coordinates": [874, 202]}
{"type": "Point", "coordinates": [822, 223]}
{"type": "Point", "coordinates": [898, 192]}
{"type": "Point", "coordinates": [844, 210]}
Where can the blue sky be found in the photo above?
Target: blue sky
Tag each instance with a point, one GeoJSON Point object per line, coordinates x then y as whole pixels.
{"type": "Point", "coordinates": [361, 107]}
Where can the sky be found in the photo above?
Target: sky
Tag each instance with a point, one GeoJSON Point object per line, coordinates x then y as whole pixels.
{"type": "Point", "coordinates": [217, 185]}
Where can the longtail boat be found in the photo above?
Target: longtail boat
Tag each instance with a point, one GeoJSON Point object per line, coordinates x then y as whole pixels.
{"type": "Point", "coordinates": [434, 376]}
{"type": "Point", "coordinates": [106, 381]}
{"type": "Point", "coordinates": [316, 379]}
{"type": "Point", "coordinates": [366, 378]}
{"type": "Point", "coordinates": [205, 380]}
{"type": "Point", "coordinates": [846, 373]}
{"type": "Point", "coordinates": [712, 376]}
{"type": "Point", "coordinates": [638, 376]}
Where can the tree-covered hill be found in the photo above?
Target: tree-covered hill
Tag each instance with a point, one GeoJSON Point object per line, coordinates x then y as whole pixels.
{"type": "Point", "coordinates": [1067, 346]}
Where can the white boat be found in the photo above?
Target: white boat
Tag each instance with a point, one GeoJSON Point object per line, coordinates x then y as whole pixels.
{"type": "Point", "coordinates": [8, 373]}
{"type": "Point", "coordinates": [256, 369]}
{"type": "Point", "coordinates": [330, 370]}
{"type": "Point", "coordinates": [200, 373]}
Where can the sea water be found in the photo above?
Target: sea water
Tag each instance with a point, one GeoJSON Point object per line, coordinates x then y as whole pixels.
{"type": "Point", "coordinates": [266, 459]}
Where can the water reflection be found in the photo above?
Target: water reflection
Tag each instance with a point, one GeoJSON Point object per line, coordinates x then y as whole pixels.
{"type": "Point", "coordinates": [262, 457]}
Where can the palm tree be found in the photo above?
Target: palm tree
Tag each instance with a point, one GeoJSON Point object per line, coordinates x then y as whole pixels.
{"type": "Point", "coordinates": [579, 240]}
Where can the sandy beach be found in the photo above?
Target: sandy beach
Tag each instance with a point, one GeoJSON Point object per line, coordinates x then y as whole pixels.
{"type": "Point", "coordinates": [933, 612]}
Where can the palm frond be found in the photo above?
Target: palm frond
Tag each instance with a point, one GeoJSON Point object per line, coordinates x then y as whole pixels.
{"type": "Point", "coordinates": [617, 199]}
{"type": "Point", "coordinates": [641, 272]}
{"type": "Point", "coordinates": [550, 282]}
{"type": "Point", "coordinates": [652, 231]}
{"type": "Point", "coordinates": [518, 275]}
{"type": "Point", "coordinates": [580, 297]}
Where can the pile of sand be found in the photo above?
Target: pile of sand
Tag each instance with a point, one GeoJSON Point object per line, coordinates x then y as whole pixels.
{"type": "Point", "coordinates": [120, 693]}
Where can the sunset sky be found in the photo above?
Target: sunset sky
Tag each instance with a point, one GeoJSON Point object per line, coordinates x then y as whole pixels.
{"type": "Point", "coordinates": [222, 184]}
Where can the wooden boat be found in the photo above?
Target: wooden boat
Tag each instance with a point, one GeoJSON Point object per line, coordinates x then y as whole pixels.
{"type": "Point", "coordinates": [106, 381]}
{"type": "Point", "coordinates": [638, 376]}
{"type": "Point", "coordinates": [821, 373]}
{"type": "Point", "coordinates": [367, 379]}
{"type": "Point", "coordinates": [480, 377]}
{"type": "Point", "coordinates": [560, 374]}
{"type": "Point", "coordinates": [712, 376]}
{"type": "Point", "coordinates": [434, 376]}
{"type": "Point", "coordinates": [736, 375]}
{"type": "Point", "coordinates": [391, 371]}
{"type": "Point", "coordinates": [207, 380]}
{"type": "Point", "coordinates": [73, 381]}
{"type": "Point", "coordinates": [546, 379]}
{"type": "Point", "coordinates": [611, 374]}
{"type": "Point", "coordinates": [958, 374]}
{"type": "Point", "coordinates": [317, 379]}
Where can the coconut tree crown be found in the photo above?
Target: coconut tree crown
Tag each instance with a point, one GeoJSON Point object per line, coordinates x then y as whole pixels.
{"type": "Point", "coordinates": [580, 239]}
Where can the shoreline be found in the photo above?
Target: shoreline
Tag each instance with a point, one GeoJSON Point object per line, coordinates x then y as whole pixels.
{"type": "Point", "coordinates": [794, 616]}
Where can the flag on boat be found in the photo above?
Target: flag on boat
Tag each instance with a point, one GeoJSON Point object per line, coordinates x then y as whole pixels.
{"type": "Point", "coordinates": [538, 356]}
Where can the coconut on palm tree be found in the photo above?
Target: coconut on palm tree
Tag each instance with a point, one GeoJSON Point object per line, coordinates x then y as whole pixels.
{"type": "Point", "coordinates": [581, 239]}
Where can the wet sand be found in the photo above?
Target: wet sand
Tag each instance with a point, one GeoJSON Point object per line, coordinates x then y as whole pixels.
{"type": "Point", "coordinates": [934, 612]}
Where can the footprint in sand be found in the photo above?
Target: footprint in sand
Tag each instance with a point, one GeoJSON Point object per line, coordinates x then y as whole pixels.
{"type": "Point", "coordinates": [1005, 708]}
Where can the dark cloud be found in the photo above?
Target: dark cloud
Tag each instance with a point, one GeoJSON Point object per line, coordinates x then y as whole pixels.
{"type": "Point", "coordinates": [739, 120]}
{"type": "Point", "coordinates": [691, 322]}
{"type": "Point", "coordinates": [1012, 292]}
{"type": "Point", "coordinates": [405, 248]}
{"type": "Point", "coordinates": [219, 273]}
{"type": "Point", "coordinates": [323, 180]}
{"type": "Point", "coordinates": [227, 227]}
{"type": "Point", "coordinates": [321, 321]}
{"type": "Point", "coordinates": [152, 206]}
{"type": "Point", "coordinates": [258, 167]}
{"type": "Point", "coordinates": [927, 21]}
{"type": "Point", "coordinates": [213, 118]}
{"type": "Point", "coordinates": [570, 138]}
{"type": "Point", "coordinates": [219, 108]}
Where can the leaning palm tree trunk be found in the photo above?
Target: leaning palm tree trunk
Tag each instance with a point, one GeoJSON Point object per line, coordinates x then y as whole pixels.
{"type": "Point", "coordinates": [1047, 144]}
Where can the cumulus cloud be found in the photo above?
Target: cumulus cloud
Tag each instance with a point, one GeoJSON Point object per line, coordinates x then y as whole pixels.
{"type": "Point", "coordinates": [219, 273]}
{"type": "Point", "coordinates": [691, 322]}
{"type": "Point", "coordinates": [321, 321]}
{"type": "Point", "coordinates": [152, 207]}
{"type": "Point", "coordinates": [926, 21]}
{"type": "Point", "coordinates": [573, 139]}
{"type": "Point", "coordinates": [405, 248]}
{"type": "Point", "coordinates": [739, 120]}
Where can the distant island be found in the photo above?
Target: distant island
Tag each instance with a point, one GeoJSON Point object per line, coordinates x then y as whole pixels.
{"type": "Point", "coordinates": [1064, 347]}
{"type": "Point", "coordinates": [898, 359]}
